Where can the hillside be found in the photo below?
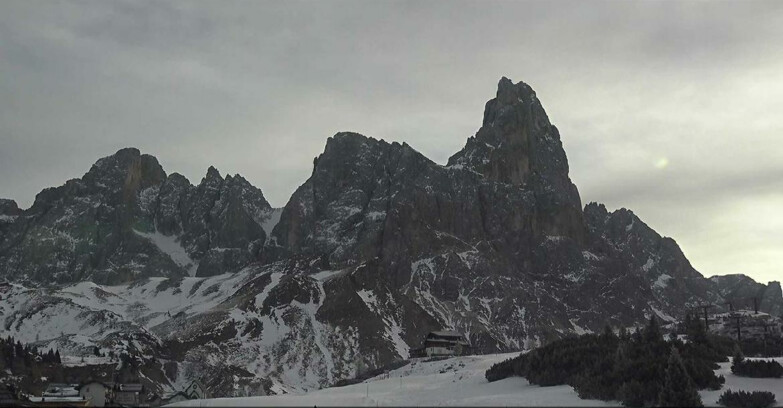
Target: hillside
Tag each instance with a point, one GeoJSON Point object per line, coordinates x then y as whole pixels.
{"type": "Point", "coordinates": [460, 381]}
{"type": "Point", "coordinates": [452, 382]}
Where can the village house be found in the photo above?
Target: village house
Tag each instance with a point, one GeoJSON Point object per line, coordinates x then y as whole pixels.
{"type": "Point", "coordinates": [61, 390]}
{"type": "Point", "coordinates": [443, 343]}
{"type": "Point", "coordinates": [96, 392]}
{"type": "Point", "coordinates": [196, 390]}
{"type": "Point", "coordinates": [128, 394]}
{"type": "Point", "coordinates": [59, 395]}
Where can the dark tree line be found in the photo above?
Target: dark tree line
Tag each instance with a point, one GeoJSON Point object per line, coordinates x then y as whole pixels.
{"type": "Point", "coordinates": [15, 355]}
{"type": "Point", "coordinates": [639, 369]}
{"type": "Point", "coordinates": [744, 399]}
{"type": "Point", "coordinates": [27, 365]}
{"type": "Point", "coordinates": [755, 368]}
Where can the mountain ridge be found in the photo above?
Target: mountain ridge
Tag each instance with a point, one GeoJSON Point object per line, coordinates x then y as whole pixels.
{"type": "Point", "coordinates": [379, 246]}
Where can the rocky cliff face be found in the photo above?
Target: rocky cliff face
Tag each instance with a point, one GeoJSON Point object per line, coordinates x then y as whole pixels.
{"type": "Point", "coordinates": [9, 211]}
{"type": "Point", "coordinates": [126, 219]}
{"type": "Point", "coordinates": [518, 145]}
{"type": "Point", "coordinates": [495, 243]}
{"type": "Point", "coordinates": [741, 291]}
{"type": "Point", "coordinates": [377, 248]}
{"type": "Point", "coordinates": [507, 189]}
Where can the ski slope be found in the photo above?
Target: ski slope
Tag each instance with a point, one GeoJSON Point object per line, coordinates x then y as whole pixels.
{"type": "Point", "coordinates": [456, 381]}
{"type": "Point", "coordinates": [736, 383]}
{"type": "Point", "coordinates": [460, 381]}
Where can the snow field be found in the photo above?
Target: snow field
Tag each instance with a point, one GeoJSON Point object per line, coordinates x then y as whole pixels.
{"type": "Point", "coordinates": [456, 381]}
{"type": "Point", "coordinates": [460, 381]}
{"type": "Point", "coordinates": [736, 383]}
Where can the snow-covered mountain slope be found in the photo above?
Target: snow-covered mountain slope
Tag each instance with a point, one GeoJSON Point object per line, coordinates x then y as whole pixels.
{"type": "Point", "coordinates": [456, 381]}
{"type": "Point", "coordinates": [260, 324]}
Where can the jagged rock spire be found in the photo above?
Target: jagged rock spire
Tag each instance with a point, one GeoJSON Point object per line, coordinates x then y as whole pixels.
{"type": "Point", "coordinates": [516, 140]}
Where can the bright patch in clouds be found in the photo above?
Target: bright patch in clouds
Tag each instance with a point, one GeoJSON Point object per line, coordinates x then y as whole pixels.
{"type": "Point", "coordinates": [661, 163]}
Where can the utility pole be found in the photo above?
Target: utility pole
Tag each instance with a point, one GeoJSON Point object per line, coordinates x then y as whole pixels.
{"type": "Point", "coordinates": [706, 317]}
{"type": "Point", "coordinates": [739, 333]}
{"type": "Point", "coordinates": [756, 305]}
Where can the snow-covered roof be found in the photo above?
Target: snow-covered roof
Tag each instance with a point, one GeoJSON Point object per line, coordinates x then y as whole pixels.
{"type": "Point", "coordinates": [55, 399]}
{"type": "Point", "coordinates": [61, 390]}
{"type": "Point", "coordinates": [448, 333]}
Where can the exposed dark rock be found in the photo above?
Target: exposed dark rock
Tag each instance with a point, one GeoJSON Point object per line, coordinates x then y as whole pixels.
{"type": "Point", "coordinates": [125, 219]}
{"type": "Point", "coordinates": [9, 207]}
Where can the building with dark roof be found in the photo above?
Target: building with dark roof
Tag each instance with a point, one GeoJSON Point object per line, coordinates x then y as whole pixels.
{"type": "Point", "coordinates": [443, 343]}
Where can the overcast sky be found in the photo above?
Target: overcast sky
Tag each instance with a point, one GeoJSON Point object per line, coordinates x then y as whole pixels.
{"type": "Point", "coordinates": [672, 110]}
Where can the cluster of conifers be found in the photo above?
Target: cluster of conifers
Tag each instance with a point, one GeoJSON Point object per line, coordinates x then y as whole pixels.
{"type": "Point", "coordinates": [639, 369]}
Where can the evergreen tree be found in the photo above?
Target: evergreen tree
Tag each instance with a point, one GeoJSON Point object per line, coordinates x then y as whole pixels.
{"type": "Point", "coordinates": [623, 334]}
{"type": "Point", "coordinates": [637, 335]}
{"type": "Point", "coordinates": [608, 333]}
{"type": "Point", "coordinates": [631, 394]}
{"type": "Point", "coordinates": [694, 329]}
{"type": "Point", "coordinates": [652, 332]}
{"type": "Point", "coordinates": [678, 389]}
{"type": "Point", "coordinates": [737, 360]}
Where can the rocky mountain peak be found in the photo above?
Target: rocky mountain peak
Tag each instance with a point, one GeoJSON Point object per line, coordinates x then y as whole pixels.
{"type": "Point", "coordinates": [516, 140]}
{"type": "Point", "coordinates": [126, 219]}
{"type": "Point", "coordinates": [741, 290]}
{"type": "Point", "coordinates": [596, 212]}
{"type": "Point", "coordinates": [127, 168]}
{"type": "Point", "coordinates": [9, 211]}
{"type": "Point", "coordinates": [212, 179]}
{"type": "Point", "coordinates": [120, 177]}
{"type": "Point", "coordinates": [347, 147]}
{"type": "Point", "coordinates": [9, 207]}
{"type": "Point", "coordinates": [510, 97]}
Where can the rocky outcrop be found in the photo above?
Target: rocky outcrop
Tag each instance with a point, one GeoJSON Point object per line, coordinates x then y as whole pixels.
{"type": "Point", "coordinates": [507, 190]}
{"type": "Point", "coordinates": [9, 211]}
{"type": "Point", "coordinates": [742, 292]}
{"type": "Point", "coordinates": [494, 244]}
{"type": "Point", "coordinates": [518, 145]}
{"type": "Point", "coordinates": [9, 207]}
{"type": "Point", "coordinates": [126, 219]}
